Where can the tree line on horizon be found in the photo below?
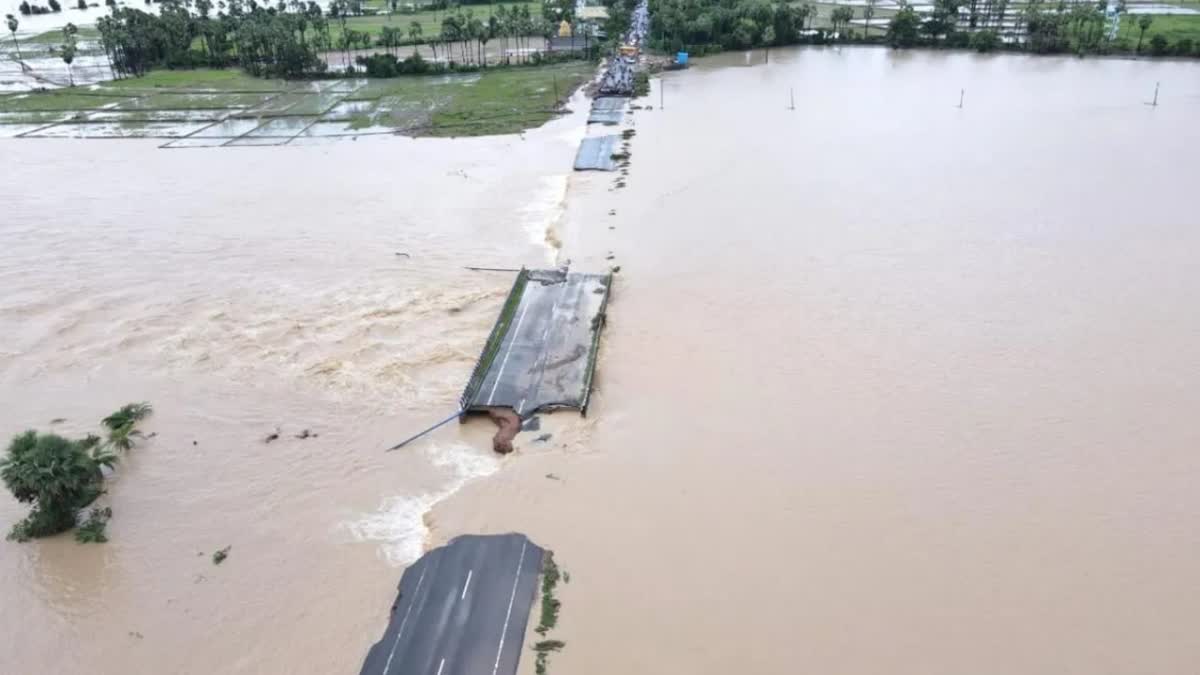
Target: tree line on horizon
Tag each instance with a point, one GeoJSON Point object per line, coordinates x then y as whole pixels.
{"type": "Point", "coordinates": [288, 38]}
{"type": "Point", "coordinates": [1040, 26]}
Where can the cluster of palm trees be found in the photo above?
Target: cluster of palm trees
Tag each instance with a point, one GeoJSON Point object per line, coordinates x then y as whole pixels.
{"type": "Point", "coordinates": [464, 35]}
{"type": "Point", "coordinates": [58, 476]}
{"type": "Point", "coordinates": [514, 24]}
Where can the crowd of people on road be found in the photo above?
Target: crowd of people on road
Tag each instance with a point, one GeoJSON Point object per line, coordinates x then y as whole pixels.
{"type": "Point", "coordinates": [618, 75]}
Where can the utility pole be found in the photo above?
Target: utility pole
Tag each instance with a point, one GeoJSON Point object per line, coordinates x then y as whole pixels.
{"type": "Point", "coordinates": [792, 92]}
{"type": "Point", "coordinates": [962, 93]}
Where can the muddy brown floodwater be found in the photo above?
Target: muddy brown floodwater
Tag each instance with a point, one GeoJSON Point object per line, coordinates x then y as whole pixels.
{"type": "Point", "coordinates": [886, 386]}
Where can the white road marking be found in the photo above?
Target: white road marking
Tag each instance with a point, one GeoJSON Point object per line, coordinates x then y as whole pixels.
{"type": "Point", "coordinates": [440, 666]}
{"type": "Point", "coordinates": [544, 356]}
{"type": "Point", "coordinates": [504, 363]}
{"type": "Point", "coordinates": [466, 585]}
{"type": "Point", "coordinates": [511, 598]}
{"type": "Point", "coordinates": [388, 666]}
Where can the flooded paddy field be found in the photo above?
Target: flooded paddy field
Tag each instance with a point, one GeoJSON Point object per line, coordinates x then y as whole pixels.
{"type": "Point", "coordinates": [213, 108]}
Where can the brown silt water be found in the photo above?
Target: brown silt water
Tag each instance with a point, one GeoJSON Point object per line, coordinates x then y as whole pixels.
{"type": "Point", "coordinates": [887, 386]}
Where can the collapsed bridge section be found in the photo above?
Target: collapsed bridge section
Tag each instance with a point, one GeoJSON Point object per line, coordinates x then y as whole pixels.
{"type": "Point", "coordinates": [541, 353]}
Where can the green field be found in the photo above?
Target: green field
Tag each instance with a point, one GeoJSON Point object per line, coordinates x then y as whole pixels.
{"type": "Point", "coordinates": [55, 37]}
{"type": "Point", "coordinates": [223, 80]}
{"type": "Point", "coordinates": [1171, 26]}
{"type": "Point", "coordinates": [507, 101]}
{"type": "Point", "coordinates": [499, 101]}
{"type": "Point", "coordinates": [59, 100]}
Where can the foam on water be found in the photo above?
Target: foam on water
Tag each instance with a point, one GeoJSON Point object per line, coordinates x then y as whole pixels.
{"type": "Point", "coordinates": [540, 215]}
{"type": "Point", "coordinates": [399, 524]}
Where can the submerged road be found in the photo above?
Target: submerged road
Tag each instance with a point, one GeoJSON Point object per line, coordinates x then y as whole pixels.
{"type": "Point", "coordinates": [461, 610]}
{"type": "Point", "coordinates": [545, 357]}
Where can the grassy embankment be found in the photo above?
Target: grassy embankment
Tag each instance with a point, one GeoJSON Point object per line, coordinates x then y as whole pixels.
{"type": "Point", "coordinates": [496, 101]}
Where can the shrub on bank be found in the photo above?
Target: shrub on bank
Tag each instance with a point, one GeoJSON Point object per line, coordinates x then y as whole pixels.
{"type": "Point", "coordinates": [1159, 45]}
{"type": "Point", "coordinates": [386, 65]}
{"type": "Point", "coordinates": [985, 41]}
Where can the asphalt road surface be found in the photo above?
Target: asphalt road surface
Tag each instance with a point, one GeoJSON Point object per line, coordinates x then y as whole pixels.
{"type": "Point", "coordinates": [461, 610]}
{"type": "Point", "coordinates": [545, 356]}
{"type": "Point", "coordinates": [596, 154]}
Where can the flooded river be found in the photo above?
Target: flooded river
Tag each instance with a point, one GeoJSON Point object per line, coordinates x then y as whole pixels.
{"type": "Point", "coordinates": [887, 385]}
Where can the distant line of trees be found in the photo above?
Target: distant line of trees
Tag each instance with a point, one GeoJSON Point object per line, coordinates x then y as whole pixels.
{"type": "Point", "coordinates": [283, 41]}
{"type": "Point", "coordinates": [288, 38]}
{"type": "Point", "coordinates": [699, 26]}
{"type": "Point", "coordinates": [1040, 26]}
{"type": "Point", "coordinates": [27, 9]}
{"type": "Point", "coordinates": [702, 26]}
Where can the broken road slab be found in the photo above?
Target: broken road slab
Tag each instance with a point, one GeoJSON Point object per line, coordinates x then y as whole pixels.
{"type": "Point", "coordinates": [596, 154]}
{"type": "Point", "coordinates": [461, 609]}
{"type": "Point", "coordinates": [607, 110]}
{"type": "Point", "coordinates": [542, 352]}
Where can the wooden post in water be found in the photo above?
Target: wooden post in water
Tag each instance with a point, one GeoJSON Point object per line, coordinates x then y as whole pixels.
{"type": "Point", "coordinates": [1155, 103]}
{"type": "Point", "coordinates": [962, 93]}
{"type": "Point", "coordinates": [662, 87]}
{"type": "Point", "coordinates": [792, 92]}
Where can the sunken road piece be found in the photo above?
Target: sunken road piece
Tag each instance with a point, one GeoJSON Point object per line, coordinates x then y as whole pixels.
{"type": "Point", "coordinates": [607, 110]}
{"type": "Point", "coordinates": [596, 154]}
{"type": "Point", "coordinates": [461, 610]}
{"type": "Point", "coordinates": [542, 352]}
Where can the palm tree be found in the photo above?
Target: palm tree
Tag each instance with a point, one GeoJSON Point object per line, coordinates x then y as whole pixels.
{"type": "Point", "coordinates": [492, 30]}
{"type": "Point", "coordinates": [501, 18]}
{"type": "Point", "coordinates": [1144, 22]}
{"type": "Point", "coordinates": [449, 32]}
{"type": "Point", "coordinates": [524, 26]}
{"type": "Point", "coordinates": [390, 38]}
{"type": "Point", "coordinates": [841, 16]}
{"type": "Point", "coordinates": [56, 475]}
{"type": "Point", "coordinates": [414, 33]}
{"type": "Point", "coordinates": [478, 32]}
{"type": "Point", "coordinates": [12, 28]}
{"type": "Point", "coordinates": [122, 424]}
{"type": "Point", "coordinates": [68, 50]}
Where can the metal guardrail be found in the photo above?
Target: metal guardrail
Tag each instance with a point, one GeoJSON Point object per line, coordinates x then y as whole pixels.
{"type": "Point", "coordinates": [494, 339]}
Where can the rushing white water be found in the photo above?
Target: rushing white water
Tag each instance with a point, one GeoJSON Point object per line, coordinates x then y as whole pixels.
{"type": "Point", "coordinates": [399, 524]}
